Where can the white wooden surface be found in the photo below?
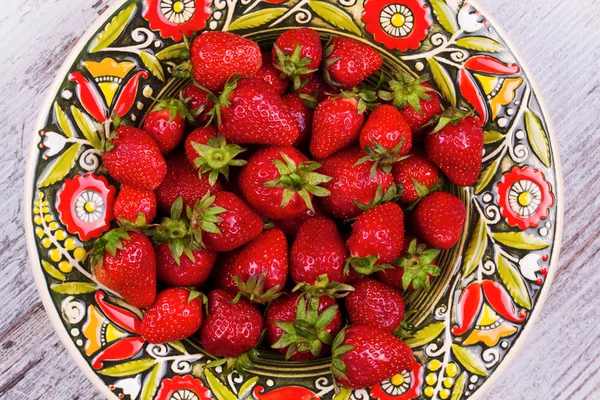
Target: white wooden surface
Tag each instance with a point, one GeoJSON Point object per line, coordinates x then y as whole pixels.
{"type": "Point", "coordinates": [560, 40]}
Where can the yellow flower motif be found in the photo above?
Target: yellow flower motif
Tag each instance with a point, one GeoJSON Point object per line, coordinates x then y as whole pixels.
{"type": "Point", "coordinates": [489, 329]}
{"type": "Point", "coordinates": [109, 75]}
{"type": "Point", "coordinates": [98, 331]}
{"type": "Point", "coordinates": [500, 91]}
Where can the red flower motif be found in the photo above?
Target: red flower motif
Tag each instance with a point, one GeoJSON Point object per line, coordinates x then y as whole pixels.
{"type": "Point", "coordinates": [85, 205]}
{"type": "Point", "coordinates": [524, 197]}
{"type": "Point", "coordinates": [183, 387]}
{"type": "Point", "coordinates": [405, 385]}
{"type": "Point", "coordinates": [176, 18]}
{"type": "Point", "coordinates": [398, 24]}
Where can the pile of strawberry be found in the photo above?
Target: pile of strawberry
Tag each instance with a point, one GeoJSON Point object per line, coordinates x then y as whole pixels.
{"type": "Point", "coordinates": [274, 238]}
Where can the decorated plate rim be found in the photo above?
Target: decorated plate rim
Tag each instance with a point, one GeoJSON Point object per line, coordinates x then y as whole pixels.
{"type": "Point", "coordinates": [53, 313]}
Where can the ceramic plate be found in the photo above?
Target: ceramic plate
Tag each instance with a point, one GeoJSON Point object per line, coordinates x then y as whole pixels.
{"type": "Point", "coordinates": [479, 310]}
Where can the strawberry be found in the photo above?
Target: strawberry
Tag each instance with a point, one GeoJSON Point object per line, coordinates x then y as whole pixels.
{"type": "Point", "coordinates": [337, 123]}
{"type": "Point", "coordinates": [297, 53]}
{"type": "Point", "coordinates": [211, 153]}
{"type": "Point", "coordinates": [124, 261]}
{"type": "Point", "coordinates": [182, 181]}
{"type": "Point", "coordinates": [376, 239]}
{"type": "Point", "coordinates": [135, 205]}
{"type": "Point", "coordinates": [290, 226]}
{"type": "Point", "coordinates": [272, 75]}
{"type": "Point", "coordinates": [417, 175]}
{"type": "Point", "coordinates": [365, 356]}
{"type": "Point", "coordinates": [302, 111]}
{"type": "Point", "coordinates": [249, 111]}
{"type": "Point", "coordinates": [386, 136]}
{"type": "Point", "coordinates": [259, 271]}
{"type": "Point", "coordinates": [190, 272]}
{"type": "Point", "coordinates": [417, 100]}
{"type": "Point", "coordinates": [317, 87]}
{"type": "Point", "coordinates": [224, 222]}
{"type": "Point", "coordinates": [166, 123]}
{"type": "Point", "coordinates": [134, 159]}
{"type": "Point", "coordinates": [456, 146]}
{"type": "Point", "coordinates": [280, 182]}
{"type": "Point", "coordinates": [176, 314]}
{"type": "Point", "coordinates": [352, 183]}
{"type": "Point", "coordinates": [302, 330]}
{"type": "Point", "coordinates": [218, 56]}
{"type": "Point", "coordinates": [348, 62]}
{"type": "Point", "coordinates": [375, 304]}
{"type": "Point", "coordinates": [232, 330]}
{"type": "Point", "coordinates": [439, 219]}
{"type": "Point", "coordinates": [318, 250]}
{"type": "Point", "coordinates": [414, 268]}
{"type": "Point", "coordinates": [199, 101]}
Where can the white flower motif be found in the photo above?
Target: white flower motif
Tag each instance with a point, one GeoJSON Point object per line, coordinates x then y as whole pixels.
{"type": "Point", "coordinates": [469, 19]}
{"type": "Point", "coordinates": [53, 142]}
{"type": "Point", "coordinates": [89, 206]}
{"type": "Point", "coordinates": [529, 265]}
{"type": "Point", "coordinates": [178, 11]}
{"type": "Point", "coordinates": [397, 20]}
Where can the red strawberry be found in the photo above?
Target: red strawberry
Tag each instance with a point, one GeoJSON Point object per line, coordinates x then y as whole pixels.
{"type": "Point", "coordinates": [318, 250]}
{"type": "Point", "coordinates": [133, 158]}
{"type": "Point", "coordinates": [224, 222]}
{"type": "Point", "coordinates": [135, 205]}
{"type": "Point", "coordinates": [211, 153]}
{"type": "Point", "coordinates": [317, 87]}
{"type": "Point", "coordinates": [386, 136]}
{"type": "Point", "coordinates": [377, 238]}
{"type": "Point", "coordinates": [182, 180]}
{"type": "Point", "coordinates": [414, 268]}
{"type": "Point", "coordinates": [218, 56]}
{"type": "Point", "coordinates": [175, 315]}
{"type": "Point", "coordinates": [348, 62]}
{"type": "Point", "coordinates": [352, 183]}
{"type": "Point", "coordinates": [417, 100]}
{"type": "Point", "coordinates": [199, 101]}
{"type": "Point", "coordinates": [439, 219]}
{"type": "Point", "coordinates": [302, 330]}
{"type": "Point", "coordinates": [365, 356]}
{"type": "Point", "coordinates": [231, 330]}
{"type": "Point", "coordinates": [190, 272]}
{"type": "Point", "coordinates": [259, 271]}
{"type": "Point", "coordinates": [249, 111]}
{"type": "Point", "coordinates": [375, 304]}
{"type": "Point", "coordinates": [124, 261]}
{"type": "Point", "coordinates": [272, 75]}
{"type": "Point", "coordinates": [297, 53]}
{"type": "Point", "coordinates": [279, 182]}
{"type": "Point", "coordinates": [166, 123]}
{"type": "Point", "coordinates": [290, 226]}
{"type": "Point", "coordinates": [417, 175]}
{"type": "Point", "coordinates": [303, 115]}
{"type": "Point", "coordinates": [337, 123]}
{"type": "Point", "coordinates": [456, 146]}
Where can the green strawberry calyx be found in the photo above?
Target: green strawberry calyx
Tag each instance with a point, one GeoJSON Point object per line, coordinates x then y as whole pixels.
{"type": "Point", "coordinates": [307, 332]}
{"type": "Point", "coordinates": [111, 242]}
{"type": "Point", "coordinates": [338, 349]}
{"type": "Point", "coordinates": [174, 107]}
{"type": "Point", "coordinates": [450, 116]}
{"type": "Point", "coordinates": [418, 266]}
{"type": "Point", "coordinates": [222, 100]}
{"type": "Point", "coordinates": [216, 156]}
{"type": "Point", "coordinates": [423, 191]}
{"type": "Point", "coordinates": [364, 266]}
{"type": "Point", "coordinates": [292, 66]}
{"type": "Point", "coordinates": [184, 69]}
{"type": "Point", "coordinates": [300, 179]}
{"type": "Point", "coordinates": [382, 157]}
{"type": "Point", "coordinates": [175, 230]}
{"type": "Point", "coordinates": [392, 194]}
{"type": "Point", "coordinates": [254, 289]}
{"type": "Point", "coordinates": [195, 294]}
{"type": "Point", "coordinates": [239, 364]}
{"type": "Point", "coordinates": [204, 217]}
{"type": "Point", "coordinates": [405, 89]}
{"type": "Point", "coordinates": [323, 287]}
{"type": "Point", "coordinates": [365, 99]}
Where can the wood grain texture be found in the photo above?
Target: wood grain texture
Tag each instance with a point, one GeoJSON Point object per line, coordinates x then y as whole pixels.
{"type": "Point", "coordinates": [558, 39]}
